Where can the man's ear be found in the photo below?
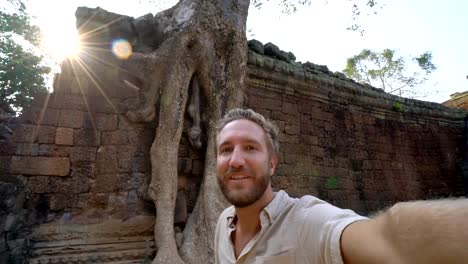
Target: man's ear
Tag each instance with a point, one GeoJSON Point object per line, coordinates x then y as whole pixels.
{"type": "Point", "coordinates": [273, 163]}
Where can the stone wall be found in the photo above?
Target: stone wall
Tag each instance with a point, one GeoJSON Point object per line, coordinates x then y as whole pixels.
{"type": "Point", "coordinates": [354, 145]}
{"type": "Point", "coordinates": [458, 100]}
{"type": "Point", "coordinates": [13, 229]}
{"type": "Point", "coordinates": [86, 167]}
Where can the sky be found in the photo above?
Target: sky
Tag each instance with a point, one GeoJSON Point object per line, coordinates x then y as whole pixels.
{"type": "Point", "coordinates": [317, 33]}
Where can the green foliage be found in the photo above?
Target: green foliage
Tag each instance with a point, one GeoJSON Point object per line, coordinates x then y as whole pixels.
{"type": "Point", "coordinates": [390, 72]}
{"type": "Point", "coordinates": [21, 67]}
{"type": "Point", "coordinates": [397, 107]}
{"type": "Point", "coordinates": [332, 183]}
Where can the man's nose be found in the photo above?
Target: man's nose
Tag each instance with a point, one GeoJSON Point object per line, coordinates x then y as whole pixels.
{"type": "Point", "coordinates": [237, 158]}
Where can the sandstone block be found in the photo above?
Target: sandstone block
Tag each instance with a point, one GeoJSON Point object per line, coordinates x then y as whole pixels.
{"type": "Point", "coordinates": [292, 129]}
{"type": "Point", "coordinates": [102, 122]}
{"type": "Point", "coordinates": [79, 154]}
{"type": "Point", "coordinates": [70, 186]}
{"type": "Point", "coordinates": [87, 137]}
{"type": "Point", "coordinates": [107, 160]}
{"type": "Point", "coordinates": [118, 137]}
{"type": "Point", "coordinates": [124, 123]}
{"type": "Point", "coordinates": [68, 102]}
{"type": "Point", "coordinates": [49, 117]}
{"type": "Point", "coordinates": [24, 133]}
{"type": "Point", "coordinates": [49, 150]}
{"type": "Point", "coordinates": [27, 149]}
{"type": "Point", "coordinates": [7, 148]}
{"type": "Point", "coordinates": [290, 108]}
{"type": "Point", "coordinates": [28, 116]}
{"type": "Point", "coordinates": [61, 201]}
{"type": "Point", "coordinates": [134, 163]}
{"type": "Point", "coordinates": [64, 136]}
{"type": "Point", "coordinates": [100, 105]}
{"type": "Point", "coordinates": [82, 170]}
{"type": "Point", "coordinates": [71, 119]}
{"type": "Point", "coordinates": [5, 164]}
{"type": "Point", "coordinates": [46, 135]}
{"type": "Point", "coordinates": [270, 104]}
{"type": "Point", "coordinates": [39, 184]}
{"type": "Point", "coordinates": [53, 166]}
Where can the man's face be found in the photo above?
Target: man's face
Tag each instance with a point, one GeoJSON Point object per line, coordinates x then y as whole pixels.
{"type": "Point", "coordinates": [244, 165]}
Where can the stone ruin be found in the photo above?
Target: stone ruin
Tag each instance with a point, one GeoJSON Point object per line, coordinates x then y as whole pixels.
{"type": "Point", "coordinates": [75, 170]}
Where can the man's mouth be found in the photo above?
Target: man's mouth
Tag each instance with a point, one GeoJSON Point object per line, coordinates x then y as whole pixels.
{"type": "Point", "coordinates": [238, 177]}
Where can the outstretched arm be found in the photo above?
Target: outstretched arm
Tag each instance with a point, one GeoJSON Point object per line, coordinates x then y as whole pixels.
{"type": "Point", "coordinates": [410, 232]}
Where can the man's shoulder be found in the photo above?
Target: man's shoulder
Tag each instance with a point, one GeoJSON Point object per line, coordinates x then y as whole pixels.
{"type": "Point", "coordinates": [310, 205]}
{"type": "Point", "coordinates": [295, 206]}
{"type": "Point", "coordinates": [304, 201]}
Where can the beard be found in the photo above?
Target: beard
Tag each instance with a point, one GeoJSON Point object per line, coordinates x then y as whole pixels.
{"type": "Point", "coordinates": [244, 197]}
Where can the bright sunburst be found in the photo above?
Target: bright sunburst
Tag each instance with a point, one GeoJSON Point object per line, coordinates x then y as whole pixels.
{"type": "Point", "coordinates": [60, 43]}
{"type": "Point", "coordinates": [59, 38]}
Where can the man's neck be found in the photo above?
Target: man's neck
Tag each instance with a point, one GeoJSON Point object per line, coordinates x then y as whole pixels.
{"type": "Point", "coordinates": [248, 218]}
{"type": "Point", "coordinates": [248, 221]}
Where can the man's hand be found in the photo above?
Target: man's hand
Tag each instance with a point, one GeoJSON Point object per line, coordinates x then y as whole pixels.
{"type": "Point", "coordinates": [412, 232]}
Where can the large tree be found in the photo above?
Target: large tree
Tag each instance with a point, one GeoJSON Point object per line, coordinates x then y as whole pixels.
{"type": "Point", "coordinates": [195, 51]}
{"type": "Point", "coordinates": [22, 71]}
{"type": "Point", "coordinates": [390, 72]}
{"type": "Point", "coordinates": [191, 53]}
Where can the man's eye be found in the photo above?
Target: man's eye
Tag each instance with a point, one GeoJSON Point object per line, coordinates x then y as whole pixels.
{"type": "Point", "coordinates": [251, 148]}
{"type": "Point", "coordinates": [225, 150]}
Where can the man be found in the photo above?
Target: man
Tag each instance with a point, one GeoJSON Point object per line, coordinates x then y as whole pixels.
{"type": "Point", "coordinates": [267, 227]}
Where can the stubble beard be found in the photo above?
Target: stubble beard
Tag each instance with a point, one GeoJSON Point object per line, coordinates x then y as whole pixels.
{"type": "Point", "coordinates": [244, 198]}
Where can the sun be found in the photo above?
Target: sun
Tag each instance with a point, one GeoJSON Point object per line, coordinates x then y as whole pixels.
{"type": "Point", "coordinates": [59, 37]}
{"type": "Point", "coordinates": [60, 43]}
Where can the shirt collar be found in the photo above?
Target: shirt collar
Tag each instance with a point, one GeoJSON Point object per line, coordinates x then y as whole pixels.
{"type": "Point", "coordinates": [272, 210]}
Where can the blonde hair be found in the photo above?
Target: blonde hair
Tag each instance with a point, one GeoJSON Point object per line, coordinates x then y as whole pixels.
{"type": "Point", "coordinates": [270, 129]}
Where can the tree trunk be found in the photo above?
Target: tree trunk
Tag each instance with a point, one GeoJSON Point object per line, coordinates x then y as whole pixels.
{"type": "Point", "coordinates": [196, 43]}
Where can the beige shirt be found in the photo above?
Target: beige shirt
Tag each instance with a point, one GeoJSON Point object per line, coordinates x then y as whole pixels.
{"type": "Point", "coordinates": [305, 230]}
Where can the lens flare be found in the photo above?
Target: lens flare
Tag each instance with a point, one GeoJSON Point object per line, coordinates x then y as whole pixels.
{"type": "Point", "coordinates": [122, 49]}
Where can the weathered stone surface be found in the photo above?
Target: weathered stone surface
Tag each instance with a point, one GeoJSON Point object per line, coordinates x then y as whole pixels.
{"type": "Point", "coordinates": [46, 135]}
{"type": "Point", "coordinates": [106, 183]}
{"type": "Point", "coordinates": [64, 136]}
{"type": "Point", "coordinates": [49, 117]}
{"type": "Point", "coordinates": [273, 51]}
{"type": "Point", "coordinates": [62, 201]}
{"type": "Point", "coordinates": [53, 166]}
{"type": "Point", "coordinates": [49, 150]}
{"type": "Point", "coordinates": [27, 149]}
{"type": "Point", "coordinates": [82, 154]}
{"type": "Point", "coordinates": [458, 100]}
{"type": "Point", "coordinates": [87, 137]}
{"type": "Point", "coordinates": [25, 133]}
{"type": "Point", "coordinates": [256, 46]}
{"type": "Point", "coordinates": [102, 122]}
{"type": "Point", "coordinates": [13, 228]}
{"type": "Point", "coordinates": [68, 101]}
{"type": "Point", "coordinates": [71, 119]}
{"type": "Point", "coordinates": [119, 137]}
{"type": "Point", "coordinates": [39, 184]}
{"type": "Point", "coordinates": [107, 160]}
